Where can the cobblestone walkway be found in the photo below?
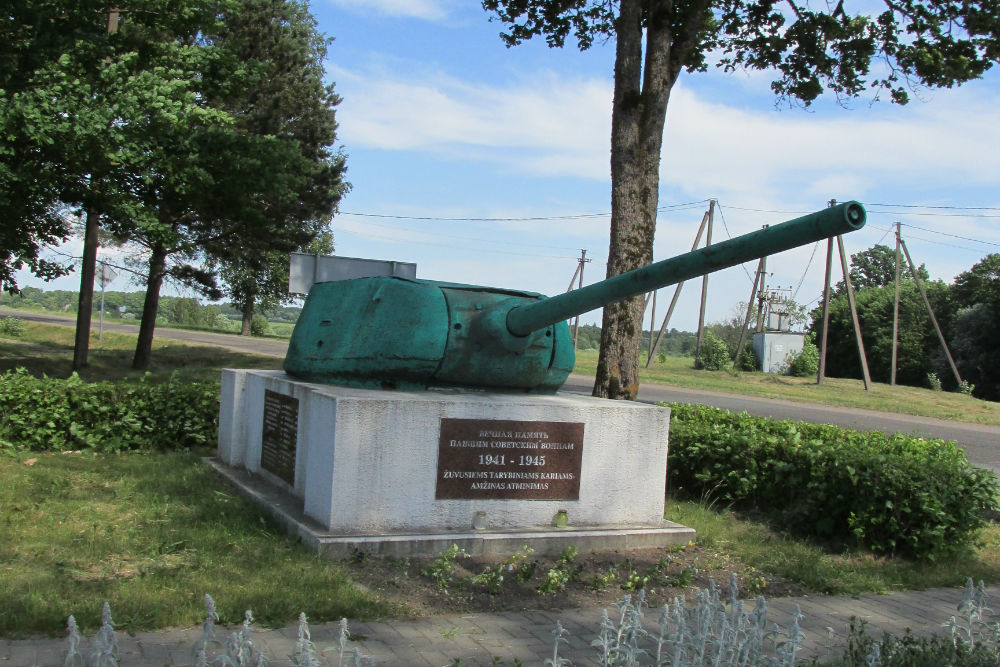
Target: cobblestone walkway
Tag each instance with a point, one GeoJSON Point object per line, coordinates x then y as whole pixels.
{"type": "Point", "coordinates": [480, 639]}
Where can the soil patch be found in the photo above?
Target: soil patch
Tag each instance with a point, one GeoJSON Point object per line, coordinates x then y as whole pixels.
{"type": "Point", "coordinates": [426, 586]}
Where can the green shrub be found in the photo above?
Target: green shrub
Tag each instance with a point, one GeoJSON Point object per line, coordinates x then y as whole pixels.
{"type": "Point", "coordinates": [714, 354]}
{"type": "Point", "coordinates": [11, 326]}
{"type": "Point", "coordinates": [259, 326]}
{"type": "Point", "coordinates": [747, 359]}
{"type": "Point", "coordinates": [53, 414]}
{"type": "Point", "coordinates": [896, 494]}
{"type": "Point", "coordinates": [805, 363]}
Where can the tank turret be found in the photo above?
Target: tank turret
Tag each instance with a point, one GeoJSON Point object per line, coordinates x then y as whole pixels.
{"type": "Point", "coordinates": [405, 333]}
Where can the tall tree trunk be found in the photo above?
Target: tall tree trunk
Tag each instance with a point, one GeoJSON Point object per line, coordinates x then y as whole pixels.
{"type": "Point", "coordinates": [247, 319]}
{"type": "Point", "coordinates": [85, 306]}
{"type": "Point", "coordinates": [144, 346]}
{"type": "Point", "coordinates": [637, 119]}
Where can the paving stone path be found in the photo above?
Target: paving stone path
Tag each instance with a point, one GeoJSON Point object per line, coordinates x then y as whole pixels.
{"type": "Point", "coordinates": [480, 639]}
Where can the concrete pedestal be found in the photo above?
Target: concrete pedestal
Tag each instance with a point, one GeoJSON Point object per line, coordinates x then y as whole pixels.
{"type": "Point", "coordinates": [362, 469]}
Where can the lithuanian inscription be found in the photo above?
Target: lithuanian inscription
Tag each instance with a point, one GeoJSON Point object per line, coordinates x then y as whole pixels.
{"type": "Point", "coordinates": [502, 459]}
{"type": "Point", "coordinates": [281, 428]}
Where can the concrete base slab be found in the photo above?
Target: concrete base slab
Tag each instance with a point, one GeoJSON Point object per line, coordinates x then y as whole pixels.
{"type": "Point", "coordinates": [285, 508]}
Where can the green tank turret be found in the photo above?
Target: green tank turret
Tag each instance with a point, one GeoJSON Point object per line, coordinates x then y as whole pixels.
{"type": "Point", "coordinates": [404, 333]}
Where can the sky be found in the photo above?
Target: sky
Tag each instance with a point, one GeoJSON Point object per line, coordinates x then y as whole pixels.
{"type": "Point", "coordinates": [489, 165]}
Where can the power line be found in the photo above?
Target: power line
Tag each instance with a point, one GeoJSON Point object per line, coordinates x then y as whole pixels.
{"type": "Point", "coordinates": [451, 245]}
{"type": "Point", "coordinates": [718, 205]}
{"type": "Point", "coordinates": [803, 278]}
{"type": "Point", "coordinates": [537, 218]}
{"type": "Point", "coordinates": [927, 240]}
{"type": "Point", "coordinates": [949, 208]}
{"type": "Point", "coordinates": [954, 236]}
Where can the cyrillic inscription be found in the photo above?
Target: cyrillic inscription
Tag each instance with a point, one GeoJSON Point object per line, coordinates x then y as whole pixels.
{"type": "Point", "coordinates": [482, 458]}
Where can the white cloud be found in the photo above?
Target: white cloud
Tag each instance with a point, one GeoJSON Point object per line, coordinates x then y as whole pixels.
{"type": "Point", "coordinates": [431, 10]}
{"type": "Point", "coordinates": [558, 126]}
{"type": "Point", "coordinates": [754, 158]}
{"type": "Point", "coordinates": [547, 125]}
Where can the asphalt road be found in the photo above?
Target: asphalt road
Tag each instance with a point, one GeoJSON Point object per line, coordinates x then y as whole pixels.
{"type": "Point", "coordinates": [981, 443]}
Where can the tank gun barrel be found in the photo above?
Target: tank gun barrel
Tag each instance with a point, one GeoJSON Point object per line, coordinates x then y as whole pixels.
{"type": "Point", "coordinates": [840, 219]}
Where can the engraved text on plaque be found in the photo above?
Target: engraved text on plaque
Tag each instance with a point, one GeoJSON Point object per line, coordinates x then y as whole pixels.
{"type": "Point", "coordinates": [281, 425]}
{"type": "Point", "coordinates": [502, 459]}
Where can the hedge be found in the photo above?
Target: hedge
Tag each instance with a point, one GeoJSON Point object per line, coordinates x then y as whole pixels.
{"type": "Point", "coordinates": [54, 414]}
{"type": "Point", "coordinates": [894, 494]}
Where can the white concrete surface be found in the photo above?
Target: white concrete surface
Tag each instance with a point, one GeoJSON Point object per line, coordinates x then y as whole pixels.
{"type": "Point", "coordinates": [366, 460]}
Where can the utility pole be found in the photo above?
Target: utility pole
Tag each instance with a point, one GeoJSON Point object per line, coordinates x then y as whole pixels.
{"type": "Point", "coordinates": [677, 292]}
{"type": "Point", "coordinates": [576, 323]}
{"type": "Point", "coordinates": [930, 311]}
{"type": "Point", "coordinates": [854, 314]}
{"type": "Point", "coordinates": [826, 311]}
{"type": "Point", "coordinates": [761, 294]}
{"type": "Point", "coordinates": [704, 284]}
{"type": "Point", "coordinates": [652, 325]}
{"type": "Point", "coordinates": [826, 305]}
{"type": "Point", "coordinates": [895, 313]}
{"type": "Point", "coordinates": [758, 279]}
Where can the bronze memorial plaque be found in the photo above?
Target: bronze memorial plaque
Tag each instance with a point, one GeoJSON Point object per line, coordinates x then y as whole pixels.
{"type": "Point", "coordinates": [501, 459]}
{"type": "Point", "coordinates": [281, 427]}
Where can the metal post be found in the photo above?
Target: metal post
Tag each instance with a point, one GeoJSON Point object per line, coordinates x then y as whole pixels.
{"type": "Point", "coordinates": [854, 315]}
{"type": "Point", "coordinates": [895, 314]}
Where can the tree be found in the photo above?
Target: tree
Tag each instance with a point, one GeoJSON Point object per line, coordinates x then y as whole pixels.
{"type": "Point", "coordinates": [935, 42]}
{"type": "Point", "coordinates": [974, 343]}
{"type": "Point", "coordinates": [81, 105]}
{"type": "Point", "coordinates": [258, 182]}
{"type": "Point", "coordinates": [291, 101]}
{"type": "Point", "coordinates": [918, 344]}
{"type": "Point", "coordinates": [261, 281]}
{"type": "Point", "coordinates": [45, 45]}
{"type": "Point", "coordinates": [981, 283]}
{"type": "Point", "coordinates": [876, 267]}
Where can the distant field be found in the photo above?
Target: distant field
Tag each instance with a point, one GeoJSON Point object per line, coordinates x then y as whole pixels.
{"type": "Point", "coordinates": [680, 372]}
{"type": "Point", "coordinates": [48, 349]}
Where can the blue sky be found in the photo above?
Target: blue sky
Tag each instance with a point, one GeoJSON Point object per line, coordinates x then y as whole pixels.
{"type": "Point", "coordinates": [440, 120]}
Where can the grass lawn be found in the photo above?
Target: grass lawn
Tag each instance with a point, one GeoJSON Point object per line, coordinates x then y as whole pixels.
{"type": "Point", "coordinates": [151, 534]}
{"type": "Point", "coordinates": [680, 372]}
{"type": "Point", "coordinates": [48, 349]}
{"type": "Point", "coordinates": [850, 572]}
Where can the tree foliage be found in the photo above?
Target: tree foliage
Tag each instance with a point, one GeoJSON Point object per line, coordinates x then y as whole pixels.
{"type": "Point", "coordinates": [968, 312]}
{"type": "Point", "coordinates": [876, 267]}
{"type": "Point", "coordinates": [810, 49]}
{"type": "Point", "coordinates": [974, 342]}
{"type": "Point", "coordinates": [918, 344]}
{"type": "Point", "coordinates": [290, 101]}
{"type": "Point", "coordinates": [195, 129]}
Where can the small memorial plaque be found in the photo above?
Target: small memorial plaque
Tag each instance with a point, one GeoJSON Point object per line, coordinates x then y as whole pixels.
{"type": "Point", "coordinates": [501, 459]}
{"type": "Point", "coordinates": [281, 427]}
